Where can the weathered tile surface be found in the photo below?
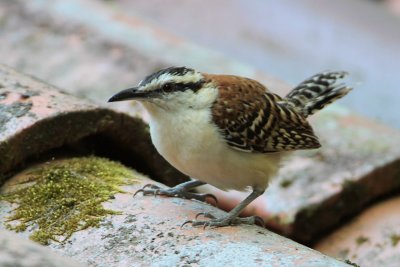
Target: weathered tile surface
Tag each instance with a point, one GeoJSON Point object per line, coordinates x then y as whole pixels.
{"type": "Point", "coordinates": [370, 239]}
{"type": "Point", "coordinates": [36, 118]}
{"type": "Point", "coordinates": [16, 251]}
{"type": "Point", "coordinates": [148, 232]}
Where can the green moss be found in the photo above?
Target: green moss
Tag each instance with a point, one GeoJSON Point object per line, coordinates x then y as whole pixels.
{"type": "Point", "coordinates": [67, 197]}
{"type": "Point", "coordinates": [361, 240]}
{"type": "Point", "coordinates": [395, 239]}
{"type": "Point", "coordinates": [286, 183]}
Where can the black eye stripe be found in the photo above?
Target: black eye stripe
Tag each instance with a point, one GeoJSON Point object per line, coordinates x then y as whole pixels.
{"type": "Point", "coordinates": [180, 87]}
{"type": "Point", "coordinates": [169, 87]}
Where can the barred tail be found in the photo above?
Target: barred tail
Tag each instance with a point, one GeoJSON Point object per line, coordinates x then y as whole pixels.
{"type": "Point", "coordinates": [316, 92]}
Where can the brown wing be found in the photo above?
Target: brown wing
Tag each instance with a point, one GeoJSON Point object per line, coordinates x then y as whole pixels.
{"type": "Point", "coordinates": [252, 119]}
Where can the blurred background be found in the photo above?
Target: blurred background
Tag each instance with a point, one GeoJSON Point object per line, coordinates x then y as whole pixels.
{"type": "Point", "coordinates": [94, 48]}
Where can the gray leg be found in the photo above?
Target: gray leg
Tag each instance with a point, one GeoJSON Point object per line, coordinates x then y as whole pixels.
{"type": "Point", "coordinates": [180, 190]}
{"type": "Point", "coordinates": [232, 217]}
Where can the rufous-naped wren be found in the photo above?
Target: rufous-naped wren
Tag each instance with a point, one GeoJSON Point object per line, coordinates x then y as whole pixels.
{"type": "Point", "coordinates": [228, 131]}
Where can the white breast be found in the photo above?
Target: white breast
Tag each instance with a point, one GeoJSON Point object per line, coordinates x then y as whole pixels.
{"type": "Point", "coordinates": [192, 144]}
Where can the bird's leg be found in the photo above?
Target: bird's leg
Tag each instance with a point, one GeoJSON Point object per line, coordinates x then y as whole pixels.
{"type": "Point", "coordinates": [180, 190]}
{"type": "Point", "coordinates": [232, 217]}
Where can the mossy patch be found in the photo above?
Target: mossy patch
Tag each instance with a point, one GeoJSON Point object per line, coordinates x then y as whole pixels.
{"type": "Point", "coordinates": [286, 183]}
{"type": "Point", "coordinates": [66, 197]}
{"type": "Point", "coordinates": [395, 238]}
{"type": "Point", "coordinates": [361, 240]}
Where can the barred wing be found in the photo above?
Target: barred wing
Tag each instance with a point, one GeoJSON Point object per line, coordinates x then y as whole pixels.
{"type": "Point", "coordinates": [252, 119]}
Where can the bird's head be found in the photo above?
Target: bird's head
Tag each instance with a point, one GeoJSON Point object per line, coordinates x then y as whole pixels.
{"type": "Point", "coordinates": [170, 88]}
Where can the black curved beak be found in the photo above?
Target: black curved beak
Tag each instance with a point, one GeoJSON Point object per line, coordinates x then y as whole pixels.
{"type": "Point", "coordinates": [130, 94]}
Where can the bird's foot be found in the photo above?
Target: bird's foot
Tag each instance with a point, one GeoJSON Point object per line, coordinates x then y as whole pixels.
{"type": "Point", "coordinates": [177, 191]}
{"type": "Point", "coordinates": [224, 221]}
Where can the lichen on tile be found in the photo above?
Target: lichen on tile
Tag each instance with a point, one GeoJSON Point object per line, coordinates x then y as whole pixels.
{"type": "Point", "coordinates": [66, 197]}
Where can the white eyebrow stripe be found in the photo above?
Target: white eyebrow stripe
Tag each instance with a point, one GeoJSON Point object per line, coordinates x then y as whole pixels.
{"type": "Point", "coordinates": [190, 77]}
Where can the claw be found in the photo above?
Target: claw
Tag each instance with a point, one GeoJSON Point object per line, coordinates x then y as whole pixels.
{"type": "Point", "coordinates": [140, 190]}
{"type": "Point", "coordinates": [220, 222]}
{"type": "Point", "coordinates": [199, 214]}
{"type": "Point", "coordinates": [156, 192]}
{"type": "Point", "coordinates": [152, 186]}
{"type": "Point", "coordinates": [205, 214]}
{"type": "Point", "coordinates": [186, 222]}
{"type": "Point", "coordinates": [147, 185]}
{"type": "Point", "coordinates": [145, 192]}
{"type": "Point", "coordinates": [178, 191]}
{"type": "Point", "coordinates": [258, 220]}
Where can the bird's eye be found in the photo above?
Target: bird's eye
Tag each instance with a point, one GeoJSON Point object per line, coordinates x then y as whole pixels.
{"type": "Point", "coordinates": [169, 87]}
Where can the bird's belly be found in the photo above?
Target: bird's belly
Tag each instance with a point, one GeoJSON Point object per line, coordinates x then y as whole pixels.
{"type": "Point", "coordinates": [202, 154]}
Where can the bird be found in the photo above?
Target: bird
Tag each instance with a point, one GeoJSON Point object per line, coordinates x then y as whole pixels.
{"type": "Point", "coordinates": [228, 131]}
